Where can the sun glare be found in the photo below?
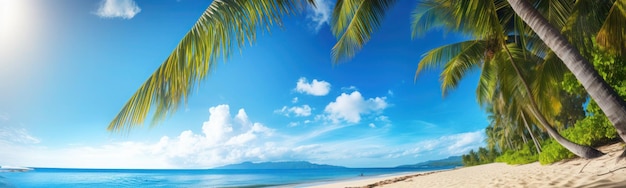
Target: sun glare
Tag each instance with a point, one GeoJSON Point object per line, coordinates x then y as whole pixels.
{"type": "Point", "coordinates": [18, 27]}
{"type": "Point", "coordinates": [20, 35]}
{"type": "Point", "coordinates": [11, 18]}
{"type": "Point", "coordinates": [17, 21]}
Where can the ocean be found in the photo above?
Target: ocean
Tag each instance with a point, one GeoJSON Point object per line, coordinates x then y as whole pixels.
{"type": "Point", "coordinates": [118, 178]}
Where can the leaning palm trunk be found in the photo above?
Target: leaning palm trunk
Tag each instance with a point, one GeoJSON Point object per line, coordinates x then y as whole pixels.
{"type": "Point", "coordinates": [609, 101]}
{"type": "Point", "coordinates": [579, 150]}
{"type": "Point", "coordinates": [537, 145]}
{"type": "Point", "coordinates": [524, 139]}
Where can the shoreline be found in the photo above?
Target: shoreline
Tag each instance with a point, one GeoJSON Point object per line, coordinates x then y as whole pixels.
{"type": "Point", "coordinates": [372, 181]}
{"type": "Point", "coordinates": [604, 171]}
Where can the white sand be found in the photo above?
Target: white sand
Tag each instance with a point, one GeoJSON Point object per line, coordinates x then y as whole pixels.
{"type": "Point", "coordinates": [599, 172]}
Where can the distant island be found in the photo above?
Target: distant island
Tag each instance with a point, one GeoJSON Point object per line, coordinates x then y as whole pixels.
{"type": "Point", "coordinates": [447, 162]}
{"type": "Point", "coordinates": [279, 165]}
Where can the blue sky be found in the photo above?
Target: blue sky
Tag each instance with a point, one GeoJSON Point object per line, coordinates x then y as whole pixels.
{"type": "Point", "coordinates": [68, 66]}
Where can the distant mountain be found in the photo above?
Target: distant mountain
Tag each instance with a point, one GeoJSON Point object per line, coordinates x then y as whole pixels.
{"type": "Point", "coordinates": [278, 165]}
{"type": "Point", "coordinates": [448, 162]}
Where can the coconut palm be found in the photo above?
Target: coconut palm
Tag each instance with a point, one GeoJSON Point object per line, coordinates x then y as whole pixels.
{"type": "Point", "coordinates": [493, 51]}
{"type": "Point", "coordinates": [515, 112]}
{"type": "Point", "coordinates": [491, 140]}
{"type": "Point", "coordinates": [353, 38]}
{"type": "Point", "coordinates": [612, 29]}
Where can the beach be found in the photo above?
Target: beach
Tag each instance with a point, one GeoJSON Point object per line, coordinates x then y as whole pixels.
{"type": "Point", "coordinates": [600, 172]}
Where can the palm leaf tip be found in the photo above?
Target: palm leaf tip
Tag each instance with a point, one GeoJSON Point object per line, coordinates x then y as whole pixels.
{"type": "Point", "coordinates": [353, 22]}
{"type": "Point", "coordinates": [223, 25]}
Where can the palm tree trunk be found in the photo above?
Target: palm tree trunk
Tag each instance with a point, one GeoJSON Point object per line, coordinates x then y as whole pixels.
{"type": "Point", "coordinates": [579, 150]}
{"type": "Point", "coordinates": [530, 131]}
{"type": "Point", "coordinates": [524, 138]}
{"type": "Point", "coordinates": [609, 101]}
{"type": "Point", "coordinates": [508, 142]}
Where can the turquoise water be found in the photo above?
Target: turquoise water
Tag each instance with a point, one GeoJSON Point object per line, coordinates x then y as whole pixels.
{"type": "Point", "coordinates": [56, 177]}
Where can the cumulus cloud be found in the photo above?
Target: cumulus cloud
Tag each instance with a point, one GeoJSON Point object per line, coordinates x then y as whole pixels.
{"type": "Point", "coordinates": [316, 88]}
{"type": "Point", "coordinates": [126, 9]}
{"type": "Point", "coordinates": [228, 137]}
{"type": "Point", "coordinates": [350, 107]}
{"type": "Point", "coordinates": [294, 100]}
{"type": "Point", "coordinates": [224, 139]}
{"type": "Point", "coordinates": [320, 14]}
{"type": "Point", "coordinates": [300, 111]}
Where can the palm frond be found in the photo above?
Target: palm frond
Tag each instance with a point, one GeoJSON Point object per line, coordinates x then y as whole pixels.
{"type": "Point", "coordinates": [431, 14]}
{"type": "Point", "coordinates": [456, 59]}
{"type": "Point", "coordinates": [478, 18]}
{"type": "Point", "coordinates": [353, 23]}
{"type": "Point", "coordinates": [612, 34]}
{"type": "Point", "coordinates": [487, 83]}
{"type": "Point", "coordinates": [557, 12]}
{"type": "Point", "coordinates": [584, 23]}
{"type": "Point", "coordinates": [224, 24]}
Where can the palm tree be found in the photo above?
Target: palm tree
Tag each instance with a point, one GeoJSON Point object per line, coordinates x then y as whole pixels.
{"type": "Point", "coordinates": [483, 155]}
{"type": "Point", "coordinates": [354, 36]}
{"type": "Point", "coordinates": [492, 142]}
{"type": "Point", "coordinates": [609, 101]}
{"type": "Point", "coordinates": [491, 24]}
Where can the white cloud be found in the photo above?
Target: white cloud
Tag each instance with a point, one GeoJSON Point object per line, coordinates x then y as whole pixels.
{"type": "Point", "coordinates": [462, 143]}
{"type": "Point", "coordinates": [299, 111]}
{"type": "Point", "coordinates": [125, 9]}
{"type": "Point", "coordinates": [13, 135]}
{"type": "Point", "coordinates": [294, 100]}
{"type": "Point", "coordinates": [349, 89]}
{"type": "Point", "coordinates": [227, 138]}
{"type": "Point", "coordinates": [350, 107]}
{"type": "Point", "coordinates": [320, 14]}
{"type": "Point", "coordinates": [382, 119]}
{"type": "Point", "coordinates": [455, 144]}
{"type": "Point", "coordinates": [293, 124]}
{"type": "Point", "coordinates": [316, 88]}
{"type": "Point", "coordinates": [389, 92]}
{"type": "Point", "coordinates": [426, 124]}
{"type": "Point", "coordinates": [224, 139]}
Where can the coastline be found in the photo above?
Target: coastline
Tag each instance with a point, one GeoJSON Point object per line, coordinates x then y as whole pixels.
{"type": "Point", "coordinates": [379, 180]}
{"type": "Point", "coordinates": [604, 171]}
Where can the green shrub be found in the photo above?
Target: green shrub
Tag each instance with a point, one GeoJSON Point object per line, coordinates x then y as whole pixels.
{"type": "Point", "coordinates": [553, 152]}
{"type": "Point", "coordinates": [593, 130]}
{"type": "Point", "coordinates": [526, 155]}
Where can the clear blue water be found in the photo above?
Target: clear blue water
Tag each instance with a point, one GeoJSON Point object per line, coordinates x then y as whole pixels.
{"type": "Point", "coordinates": [118, 178]}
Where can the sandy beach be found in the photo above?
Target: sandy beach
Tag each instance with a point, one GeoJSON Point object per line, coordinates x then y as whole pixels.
{"type": "Point", "coordinates": [600, 172]}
